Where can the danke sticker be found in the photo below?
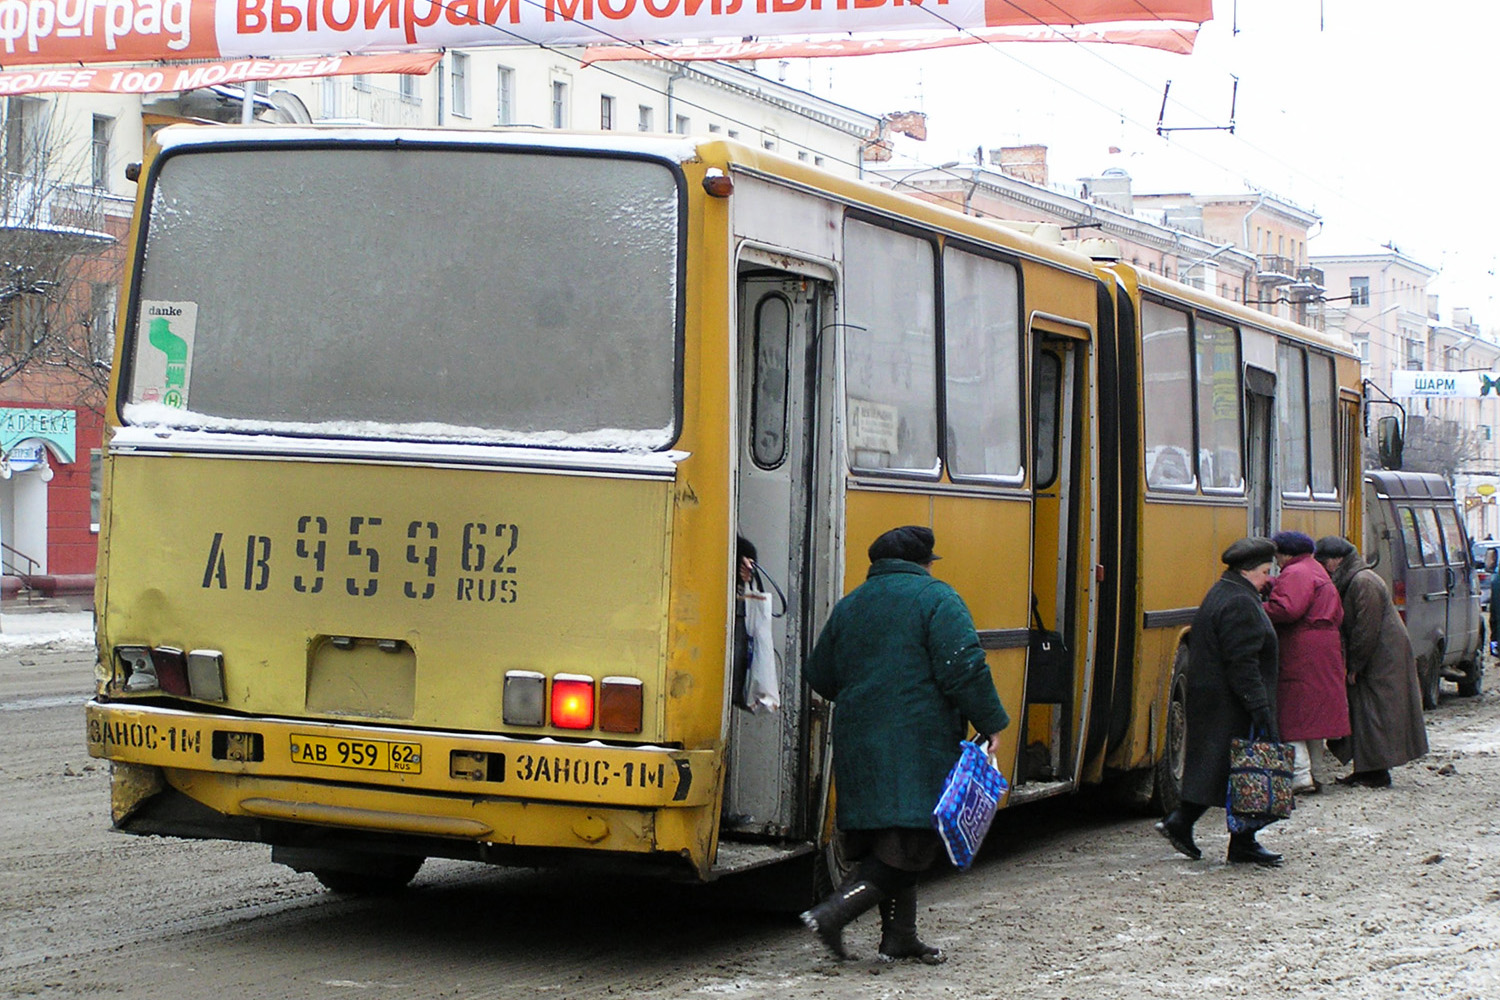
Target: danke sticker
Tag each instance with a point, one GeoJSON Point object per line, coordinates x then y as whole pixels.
{"type": "Point", "coordinates": [164, 353]}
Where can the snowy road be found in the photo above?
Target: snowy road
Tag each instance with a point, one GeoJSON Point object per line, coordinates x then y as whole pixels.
{"type": "Point", "coordinates": [1384, 894]}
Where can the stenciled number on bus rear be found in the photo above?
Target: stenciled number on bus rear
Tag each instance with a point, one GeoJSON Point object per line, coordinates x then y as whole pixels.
{"type": "Point", "coordinates": [362, 556]}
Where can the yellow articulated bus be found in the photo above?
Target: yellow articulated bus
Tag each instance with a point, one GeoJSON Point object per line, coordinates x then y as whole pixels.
{"type": "Point", "coordinates": [429, 452]}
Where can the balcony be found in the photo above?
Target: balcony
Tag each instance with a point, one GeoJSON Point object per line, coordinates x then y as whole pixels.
{"type": "Point", "coordinates": [381, 106]}
{"type": "Point", "coordinates": [42, 215]}
{"type": "Point", "coordinates": [1274, 269]}
{"type": "Point", "coordinates": [1308, 284]}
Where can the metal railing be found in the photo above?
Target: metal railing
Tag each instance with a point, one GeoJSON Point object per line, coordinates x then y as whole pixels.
{"type": "Point", "coordinates": [10, 558]}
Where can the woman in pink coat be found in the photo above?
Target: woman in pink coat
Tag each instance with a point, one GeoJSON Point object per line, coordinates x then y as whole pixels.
{"type": "Point", "coordinates": [1304, 605]}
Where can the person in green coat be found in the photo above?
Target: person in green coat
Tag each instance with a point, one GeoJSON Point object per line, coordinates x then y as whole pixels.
{"type": "Point", "coordinates": [900, 658]}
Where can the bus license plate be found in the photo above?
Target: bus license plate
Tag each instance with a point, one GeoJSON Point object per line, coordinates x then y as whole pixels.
{"type": "Point", "coordinates": [362, 755]}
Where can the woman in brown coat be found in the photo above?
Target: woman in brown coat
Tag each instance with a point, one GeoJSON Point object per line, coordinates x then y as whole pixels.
{"type": "Point", "coordinates": [1385, 699]}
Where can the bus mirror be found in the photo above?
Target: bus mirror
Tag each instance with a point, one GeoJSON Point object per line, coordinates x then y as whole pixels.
{"type": "Point", "coordinates": [1388, 440]}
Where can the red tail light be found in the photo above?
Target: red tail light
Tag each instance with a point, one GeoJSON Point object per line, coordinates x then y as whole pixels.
{"type": "Point", "coordinates": [171, 669]}
{"type": "Point", "coordinates": [572, 701]}
{"type": "Point", "coordinates": [1398, 597]}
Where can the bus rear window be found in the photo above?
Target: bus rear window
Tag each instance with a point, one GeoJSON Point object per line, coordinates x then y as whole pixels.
{"type": "Point", "coordinates": [420, 293]}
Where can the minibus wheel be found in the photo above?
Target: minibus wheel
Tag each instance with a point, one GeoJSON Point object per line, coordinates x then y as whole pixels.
{"type": "Point", "coordinates": [1472, 682]}
{"type": "Point", "coordinates": [1430, 674]}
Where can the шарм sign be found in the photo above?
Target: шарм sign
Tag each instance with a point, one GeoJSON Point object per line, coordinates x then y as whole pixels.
{"type": "Point", "coordinates": [1469, 385]}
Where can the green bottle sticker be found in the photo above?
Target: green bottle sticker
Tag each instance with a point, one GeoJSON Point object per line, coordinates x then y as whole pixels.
{"type": "Point", "coordinates": [164, 355]}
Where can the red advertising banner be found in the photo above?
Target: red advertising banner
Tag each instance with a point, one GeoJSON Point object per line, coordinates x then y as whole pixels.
{"type": "Point", "coordinates": [64, 32]}
{"type": "Point", "coordinates": [147, 78]}
{"type": "Point", "coordinates": [1179, 41]}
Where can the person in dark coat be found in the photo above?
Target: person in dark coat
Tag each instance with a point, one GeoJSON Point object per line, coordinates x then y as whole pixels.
{"type": "Point", "coordinates": [1494, 611]}
{"type": "Point", "coordinates": [901, 660]}
{"type": "Point", "coordinates": [1385, 696]}
{"type": "Point", "coordinates": [1231, 686]}
{"type": "Point", "coordinates": [1311, 704]}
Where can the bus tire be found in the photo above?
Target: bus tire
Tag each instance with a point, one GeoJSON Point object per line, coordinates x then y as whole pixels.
{"type": "Point", "coordinates": [832, 867]}
{"type": "Point", "coordinates": [350, 871]}
{"type": "Point", "coordinates": [1169, 766]}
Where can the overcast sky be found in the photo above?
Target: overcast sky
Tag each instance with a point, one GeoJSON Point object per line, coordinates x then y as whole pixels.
{"type": "Point", "coordinates": [1376, 114]}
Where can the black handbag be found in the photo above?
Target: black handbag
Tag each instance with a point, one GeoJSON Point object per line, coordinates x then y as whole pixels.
{"type": "Point", "coordinates": [1049, 668]}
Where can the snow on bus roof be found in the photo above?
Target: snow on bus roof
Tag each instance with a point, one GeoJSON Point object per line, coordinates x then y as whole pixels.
{"type": "Point", "coordinates": [674, 148]}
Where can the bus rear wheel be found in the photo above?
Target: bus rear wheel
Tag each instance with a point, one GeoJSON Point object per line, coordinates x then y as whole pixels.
{"type": "Point", "coordinates": [353, 873]}
{"type": "Point", "coordinates": [1173, 759]}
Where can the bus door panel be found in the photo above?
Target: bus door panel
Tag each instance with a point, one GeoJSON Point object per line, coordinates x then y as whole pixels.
{"type": "Point", "coordinates": [778, 323]}
{"type": "Point", "coordinates": [1259, 412]}
{"type": "Point", "coordinates": [1051, 733]}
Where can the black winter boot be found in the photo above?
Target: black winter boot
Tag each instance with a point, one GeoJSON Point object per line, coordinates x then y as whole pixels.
{"type": "Point", "coordinates": [828, 918]}
{"type": "Point", "coordinates": [898, 929]}
{"type": "Point", "coordinates": [1245, 849]}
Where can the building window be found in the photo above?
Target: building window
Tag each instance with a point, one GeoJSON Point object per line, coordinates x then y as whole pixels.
{"type": "Point", "coordinates": [25, 133]}
{"type": "Point", "coordinates": [96, 480]}
{"type": "Point", "coordinates": [606, 112]}
{"type": "Point", "coordinates": [1359, 291]}
{"type": "Point", "coordinates": [362, 82]}
{"type": "Point", "coordinates": [1363, 348]}
{"type": "Point", "coordinates": [645, 118]}
{"type": "Point", "coordinates": [1414, 355]}
{"type": "Point", "coordinates": [681, 125]}
{"type": "Point", "coordinates": [734, 133]}
{"type": "Point", "coordinates": [409, 92]}
{"type": "Point", "coordinates": [104, 127]}
{"type": "Point", "coordinates": [716, 128]}
{"type": "Point", "coordinates": [559, 104]}
{"type": "Point", "coordinates": [802, 155]}
{"type": "Point", "coordinates": [817, 161]}
{"type": "Point", "coordinates": [102, 296]}
{"type": "Point", "coordinates": [505, 95]}
{"type": "Point", "coordinates": [460, 78]}
{"type": "Point", "coordinates": [328, 97]}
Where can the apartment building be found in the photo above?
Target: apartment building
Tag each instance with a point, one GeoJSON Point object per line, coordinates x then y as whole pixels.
{"type": "Point", "coordinates": [1015, 185]}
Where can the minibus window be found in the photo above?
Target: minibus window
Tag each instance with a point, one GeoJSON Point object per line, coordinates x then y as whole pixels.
{"type": "Point", "coordinates": [477, 295]}
{"type": "Point", "coordinates": [1432, 539]}
{"type": "Point", "coordinates": [1410, 535]}
{"type": "Point", "coordinates": [1453, 538]}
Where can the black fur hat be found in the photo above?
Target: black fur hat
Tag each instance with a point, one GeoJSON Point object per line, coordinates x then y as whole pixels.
{"type": "Point", "coordinates": [912, 543]}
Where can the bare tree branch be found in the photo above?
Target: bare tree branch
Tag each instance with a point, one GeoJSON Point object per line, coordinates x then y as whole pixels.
{"type": "Point", "coordinates": [59, 269]}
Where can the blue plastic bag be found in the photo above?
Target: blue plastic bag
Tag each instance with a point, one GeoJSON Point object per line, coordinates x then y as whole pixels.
{"type": "Point", "coordinates": [964, 811]}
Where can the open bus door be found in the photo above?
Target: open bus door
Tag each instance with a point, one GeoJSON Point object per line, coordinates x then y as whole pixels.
{"type": "Point", "coordinates": [1053, 730]}
{"type": "Point", "coordinates": [779, 318]}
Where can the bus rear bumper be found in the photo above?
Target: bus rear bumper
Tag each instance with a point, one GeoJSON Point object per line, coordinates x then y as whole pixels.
{"type": "Point", "coordinates": [257, 779]}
